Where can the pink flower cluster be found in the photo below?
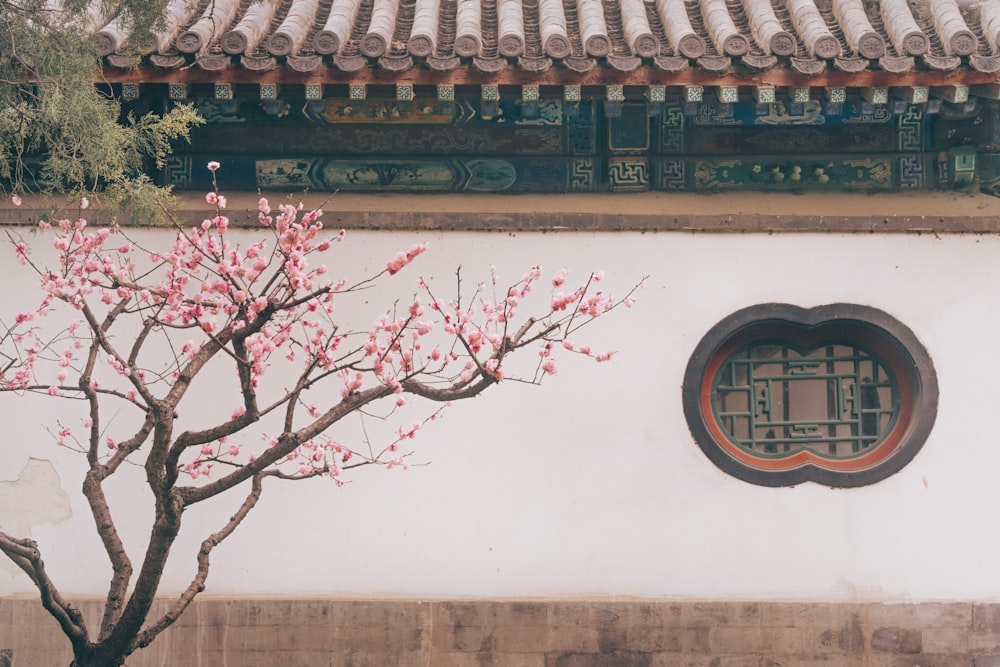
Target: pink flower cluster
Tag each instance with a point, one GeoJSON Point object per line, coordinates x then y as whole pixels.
{"type": "Point", "coordinates": [401, 259]}
{"type": "Point", "coordinates": [265, 302]}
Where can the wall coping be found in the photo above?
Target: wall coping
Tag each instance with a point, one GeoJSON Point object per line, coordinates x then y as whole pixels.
{"type": "Point", "coordinates": [731, 212]}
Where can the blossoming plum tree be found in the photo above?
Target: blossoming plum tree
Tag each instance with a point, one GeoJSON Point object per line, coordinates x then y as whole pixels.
{"type": "Point", "coordinates": [120, 327]}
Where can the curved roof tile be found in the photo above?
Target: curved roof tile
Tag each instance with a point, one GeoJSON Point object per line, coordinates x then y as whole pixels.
{"type": "Point", "coordinates": [806, 36]}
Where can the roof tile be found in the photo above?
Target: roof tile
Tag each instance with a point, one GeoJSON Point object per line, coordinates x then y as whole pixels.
{"type": "Point", "coordinates": [578, 35]}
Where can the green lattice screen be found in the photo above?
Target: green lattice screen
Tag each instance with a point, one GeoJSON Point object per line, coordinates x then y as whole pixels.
{"type": "Point", "coordinates": [774, 400]}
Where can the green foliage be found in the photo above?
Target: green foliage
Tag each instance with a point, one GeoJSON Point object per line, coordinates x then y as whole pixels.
{"type": "Point", "coordinates": [58, 131]}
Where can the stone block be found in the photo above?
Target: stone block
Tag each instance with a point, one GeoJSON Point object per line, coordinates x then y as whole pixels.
{"type": "Point", "coordinates": [667, 639]}
{"type": "Point", "coordinates": [923, 615]}
{"type": "Point", "coordinates": [716, 614]}
{"type": "Point", "coordinates": [612, 623]}
{"type": "Point", "coordinates": [921, 660]}
{"type": "Point", "coordinates": [376, 659]}
{"type": "Point", "coordinates": [813, 660]}
{"type": "Point", "coordinates": [846, 636]}
{"type": "Point", "coordinates": [571, 613]}
{"type": "Point", "coordinates": [42, 657]}
{"type": "Point", "coordinates": [450, 659]}
{"type": "Point", "coordinates": [674, 660]}
{"type": "Point", "coordinates": [986, 616]}
{"type": "Point", "coordinates": [956, 641]}
{"type": "Point", "coordinates": [897, 640]}
{"type": "Point", "coordinates": [522, 638]}
{"type": "Point", "coordinates": [734, 640]}
{"type": "Point", "coordinates": [468, 638]}
{"type": "Point", "coordinates": [466, 614]}
{"type": "Point", "coordinates": [734, 661]}
{"type": "Point", "coordinates": [563, 638]}
{"type": "Point", "coordinates": [777, 640]}
{"type": "Point", "coordinates": [803, 615]}
{"type": "Point", "coordinates": [181, 637]}
{"type": "Point", "coordinates": [616, 659]}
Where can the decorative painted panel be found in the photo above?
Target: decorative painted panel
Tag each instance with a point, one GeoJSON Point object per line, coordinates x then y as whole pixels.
{"type": "Point", "coordinates": [989, 173]}
{"type": "Point", "coordinates": [581, 130]}
{"type": "Point", "coordinates": [421, 110]}
{"type": "Point", "coordinates": [397, 174]}
{"type": "Point", "coordinates": [954, 126]}
{"type": "Point", "coordinates": [551, 145]}
{"type": "Point", "coordinates": [629, 132]}
{"type": "Point", "coordinates": [811, 112]}
{"type": "Point", "coordinates": [796, 172]}
{"type": "Point", "coordinates": [792, 139]}
{"type": "Point", "coordinates": [301, 139]}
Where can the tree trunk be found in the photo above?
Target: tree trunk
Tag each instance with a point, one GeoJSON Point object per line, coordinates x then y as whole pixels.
{"type": "Point", "coordinates": [98, 656]}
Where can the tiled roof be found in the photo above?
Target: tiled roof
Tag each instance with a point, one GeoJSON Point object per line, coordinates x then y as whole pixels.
{"type": "Point", "coordinates": [488, 36]}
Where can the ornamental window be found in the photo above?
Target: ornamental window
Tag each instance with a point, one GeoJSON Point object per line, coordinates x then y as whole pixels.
{"type": "Point", "coordinates": [842, 395]}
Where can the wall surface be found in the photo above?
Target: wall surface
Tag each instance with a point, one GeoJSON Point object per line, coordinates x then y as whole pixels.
{"type": "Point", "coordinates": [591, 484]}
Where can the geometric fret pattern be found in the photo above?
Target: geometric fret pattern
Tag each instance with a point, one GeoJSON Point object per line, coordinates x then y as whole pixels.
{"type": "Point", "coordinates": [628, 174]}
{"type": "Point", "coordinates": [911, 126]}
{"type": "Point", "coordinates": [911, 171]}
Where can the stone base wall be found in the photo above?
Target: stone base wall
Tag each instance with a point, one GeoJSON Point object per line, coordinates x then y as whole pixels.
{"type": "Point", "coordinates": [538, 633]}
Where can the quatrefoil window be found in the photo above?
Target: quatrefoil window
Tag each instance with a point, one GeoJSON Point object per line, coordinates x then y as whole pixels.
{"type": "Point", "coordinates": [842, 395]}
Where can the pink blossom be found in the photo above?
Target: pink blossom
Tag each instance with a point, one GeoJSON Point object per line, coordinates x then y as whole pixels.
{"type": "Point", "coordinates": [492, 367]}
{"type": "Point", "coordinates": [604, 356]}
{"type": "Point", "coordinates": [84, 202]}
{"type": "Point", "coordinates": [213, 165]}
{"type": "Point", "coordinates": [53, 391]}
{"type": "Point", "coordinates": [403, 258]}
{"type": "Point", "coordinates": [559, 278]}
{"type": "Point", "coordinates": [212, 198]}
{"type": "Point", "coordinates": [15, 200]}
{"type": "Point", "coordinates": [110, 442]}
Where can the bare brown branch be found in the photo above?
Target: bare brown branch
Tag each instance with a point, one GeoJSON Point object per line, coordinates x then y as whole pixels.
{"type": "Point", "coordinates": [198, 583]}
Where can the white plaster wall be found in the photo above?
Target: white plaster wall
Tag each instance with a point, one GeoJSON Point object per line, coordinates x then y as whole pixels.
{"type": "Point", "coordinates": [591, 484]}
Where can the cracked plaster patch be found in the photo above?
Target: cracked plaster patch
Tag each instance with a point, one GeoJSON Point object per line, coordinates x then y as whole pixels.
{"type": "Point", "coordinates": [34, 498]}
